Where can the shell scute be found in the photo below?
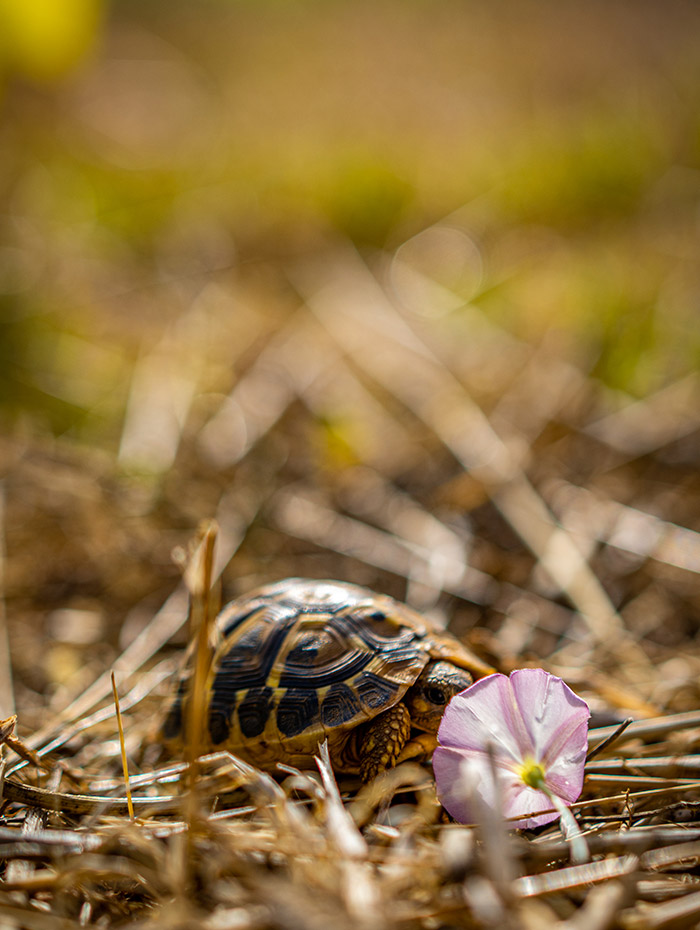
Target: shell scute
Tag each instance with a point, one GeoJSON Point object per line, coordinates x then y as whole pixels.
{"type": "Point", "coordinates": [347, 663]}
{"type": "Point", "coordinates": [376, 692]}
{"type": "Point", "coordinates": [248, 656]}
{"type": "Point", "coordinates": [341, 704]}
{"type": "Point", "coordinates": [379, 630]}
{"type": "Point", "coordinates": [219, 725]}
{"type": "Point", "coordinates": [296, 711]}
{"type": "Point", "coordinates": [254, 710]}
{"type": "Point", "coordinates": [174, 722]}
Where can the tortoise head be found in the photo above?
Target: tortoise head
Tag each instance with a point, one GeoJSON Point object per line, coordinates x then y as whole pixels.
{"type": "Point", "coordinates": [429, 696]}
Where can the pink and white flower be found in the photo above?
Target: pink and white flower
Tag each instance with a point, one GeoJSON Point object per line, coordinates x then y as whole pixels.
{"type": "Point", "coordinates": [530, 729]}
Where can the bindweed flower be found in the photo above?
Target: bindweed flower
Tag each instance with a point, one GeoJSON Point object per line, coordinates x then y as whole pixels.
{"type": "Point", "coordinates": [530, 730]}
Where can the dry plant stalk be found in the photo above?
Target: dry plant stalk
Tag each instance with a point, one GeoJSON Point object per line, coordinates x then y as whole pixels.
{"type": "Point", "coordinates": [199, 580]}
{"type": "Point", "coordinates": [7, 738]}
{"type": "Point", "coordinates": [122, 745]}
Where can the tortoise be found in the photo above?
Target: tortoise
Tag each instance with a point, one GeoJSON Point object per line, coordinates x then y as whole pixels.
{"type": "Point", "coordinates": [301, 660]}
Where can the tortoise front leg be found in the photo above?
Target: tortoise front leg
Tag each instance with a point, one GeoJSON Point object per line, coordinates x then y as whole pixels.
{"type": "Point", "coordinates": [382, 741]}
{"type": "Point", "coordinates": [420, 748]}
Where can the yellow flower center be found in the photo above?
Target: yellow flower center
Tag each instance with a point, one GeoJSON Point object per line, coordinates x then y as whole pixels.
{"type": "Point", "coordinates": [532, 774]}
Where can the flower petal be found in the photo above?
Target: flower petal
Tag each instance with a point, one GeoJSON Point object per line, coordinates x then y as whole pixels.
{"type": "Point", "coordinates": [465, 786]}
{"type": "Point", "coordinates": [521, 799]}
{"type": "Point", "coordinates": [454, 786]}
{"type": "Point", "coordinates": [556, 719]}
{"type": "Point", "coordinates": [485, 714]}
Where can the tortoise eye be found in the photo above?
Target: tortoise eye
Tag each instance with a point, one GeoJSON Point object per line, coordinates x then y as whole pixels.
{"type": "Point", "coordinates": [436, 695]}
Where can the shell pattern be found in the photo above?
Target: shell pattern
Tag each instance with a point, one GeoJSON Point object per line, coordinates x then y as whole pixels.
{"type": "Point", "coordinates": [300, 661]}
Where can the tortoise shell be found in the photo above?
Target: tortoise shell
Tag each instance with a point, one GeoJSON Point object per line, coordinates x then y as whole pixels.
{"type": "Point", "coordinates": [301, 661]}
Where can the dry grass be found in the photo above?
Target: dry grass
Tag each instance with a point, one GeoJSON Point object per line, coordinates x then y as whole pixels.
{"type": "Point", "coordinates": [387, 433]}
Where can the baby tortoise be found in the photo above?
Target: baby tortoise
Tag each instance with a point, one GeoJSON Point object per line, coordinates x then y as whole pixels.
{"type": "Point", "coordinates": [301, 661]}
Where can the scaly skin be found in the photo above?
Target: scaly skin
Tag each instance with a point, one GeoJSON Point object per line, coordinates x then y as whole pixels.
{"type": "Point", "coordinates": [383, 740]}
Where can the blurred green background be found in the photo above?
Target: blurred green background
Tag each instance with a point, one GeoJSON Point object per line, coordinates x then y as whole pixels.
{"type": "Point", "coordinates": [150, 148]}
